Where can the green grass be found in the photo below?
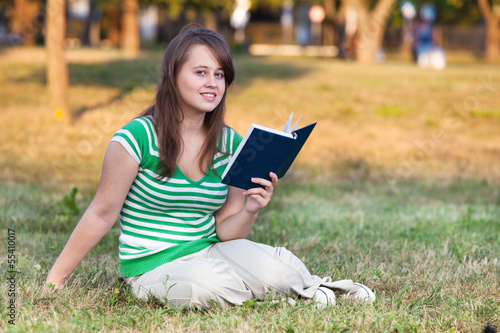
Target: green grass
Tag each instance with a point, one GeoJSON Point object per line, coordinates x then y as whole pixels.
{"type": "Point", "coordinates": [429, 250]}
{"type": "Point", "coordinates": [397, 188]}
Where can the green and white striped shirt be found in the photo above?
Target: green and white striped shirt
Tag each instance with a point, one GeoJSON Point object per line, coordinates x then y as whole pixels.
{"type": "Point", "coordinates": [162, 221]}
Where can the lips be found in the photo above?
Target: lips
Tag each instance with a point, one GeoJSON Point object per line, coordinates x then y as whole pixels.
{"type": "Point", "coordinates": [209, 96]}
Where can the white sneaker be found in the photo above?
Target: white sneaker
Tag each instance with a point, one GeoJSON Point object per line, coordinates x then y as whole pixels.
{"type": "Point", "coordinates": [361, 292]}
{"type": "Point", "coordinates": [324, 297]}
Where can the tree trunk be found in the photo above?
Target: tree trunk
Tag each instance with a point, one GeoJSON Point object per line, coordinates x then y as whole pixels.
{"type": "Point", "coordinates": [95, 28]}
{"type": "Point", "coordinates": [57, 67]}
{"type": "Point", "coordinates": [130, 27]}
{"type": "Point", "coordinates": [91, 30]}
{"type": "Point", "coordinates": [493, 40]}
{"type": "Point", "coordinates": [23, 21]}
{"type": "Point", "coordinates": [111, 25]}
{"type": "Point", "coordinates": [371, 29]}
{"type": "Point", "coordinates": [492, 31]}
{"type": "Point", "coordinates": [329, 23]}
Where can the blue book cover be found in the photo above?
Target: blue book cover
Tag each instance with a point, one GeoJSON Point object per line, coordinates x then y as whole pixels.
{"type": "Point", "coordinates": [264, 150]}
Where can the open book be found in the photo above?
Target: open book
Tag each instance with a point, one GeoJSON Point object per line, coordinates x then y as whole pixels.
{"type": "Point", "coordinates": [265, 150]}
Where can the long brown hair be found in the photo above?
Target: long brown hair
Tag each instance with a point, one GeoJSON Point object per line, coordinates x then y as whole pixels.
{"type": "Point", "coordinates": [166, 112]}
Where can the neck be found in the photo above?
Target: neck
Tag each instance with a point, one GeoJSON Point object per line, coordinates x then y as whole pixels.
{"type": "Point", "coordinates": [193, 125]}
{"type": "Point", "coordinates": [194, 134]}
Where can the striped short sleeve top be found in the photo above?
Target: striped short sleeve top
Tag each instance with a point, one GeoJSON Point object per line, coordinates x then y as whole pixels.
{"type": "Point", "coordinates": [164, 220]}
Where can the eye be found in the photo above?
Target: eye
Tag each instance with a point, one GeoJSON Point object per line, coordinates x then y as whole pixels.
{"type": "Point", "coordinates": [200, 72]}
{"type": "Point", "coordinates": [219, 75]}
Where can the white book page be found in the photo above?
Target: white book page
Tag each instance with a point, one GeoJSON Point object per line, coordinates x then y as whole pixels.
{"type": "Point", "coordinates": [288, 128]}
{"type": "Point", "coordinates": [288, 124]}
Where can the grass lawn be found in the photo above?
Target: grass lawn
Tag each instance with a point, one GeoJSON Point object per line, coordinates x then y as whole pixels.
{"type": "Point", "coordinates": [397, 188]}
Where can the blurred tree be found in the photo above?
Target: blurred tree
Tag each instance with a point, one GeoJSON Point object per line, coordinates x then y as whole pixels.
{"type": "Point", "coordinates": [110, 22]}
{"type": "Point", "coordinates": [23, 20]}
{"type": "Point", "coordinates": [274, 5]}
{"type": "Point", "coordinates": [57, 67]}
{"type": "Point", "coordinates": [119, 23]}
{"type": "Point", "coordinates": [177, 7]}
{"type": "Point", "coordinates": [92, 27]}
{"type": "Point", "coordinates": [130, 41]}
{"type": "Point", "coordinates": [126, 31]}
{"type": "Point", "coordinates": [369, 21]}
{"type": "Point", "coordinates": [329, 24]}
{"type": "Point", "coordinates": [448, 12]}
{"type": "Point", "coordinates": [491, 14]}
{"type": "Point", "coordinates": [371, 27]}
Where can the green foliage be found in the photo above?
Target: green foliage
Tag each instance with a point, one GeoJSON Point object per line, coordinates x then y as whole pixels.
{"type": "Point", "coordinates": [50, 211]}
{"type": "Point", "coordinates": [68, 204]}
{"type": "Point", "coordinates": [66, 212]}
{"type": "Point", "coordinates": [271, 5]}
{"type": "Point", "coordinates": [121, 294]}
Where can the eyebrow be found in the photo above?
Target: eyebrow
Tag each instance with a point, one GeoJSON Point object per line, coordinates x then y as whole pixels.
{"type": "Point", "coordinates": [204, 66]}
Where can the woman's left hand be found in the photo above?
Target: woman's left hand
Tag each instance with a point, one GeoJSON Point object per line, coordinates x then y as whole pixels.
{"type": "Point", "coordinates": [259, 197]}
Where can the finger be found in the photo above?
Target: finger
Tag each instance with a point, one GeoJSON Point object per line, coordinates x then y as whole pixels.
{"type": "Point", "coordinates": [259, 200]}
{"type": "Point", "coordinates": [274, 178]}
{"type": "Point", "coordinates": [264, 182]}
{"type": "Point", "coordinates": [261, 196]}
{"type": "Point", "coordinates": [257, 191]}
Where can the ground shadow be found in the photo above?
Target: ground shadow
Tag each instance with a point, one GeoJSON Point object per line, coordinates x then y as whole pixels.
{"type": "Point", "coordinates": [128, 75]}
{"type": "Point", "coordinates": [249, 68]}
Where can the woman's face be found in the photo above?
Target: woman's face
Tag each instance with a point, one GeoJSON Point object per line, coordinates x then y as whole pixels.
{"type": "Point", "coordinates": [200, 82]}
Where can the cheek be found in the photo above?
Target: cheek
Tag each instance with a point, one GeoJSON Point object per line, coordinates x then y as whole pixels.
{"type": "Point", "coordinates": [188, 84]}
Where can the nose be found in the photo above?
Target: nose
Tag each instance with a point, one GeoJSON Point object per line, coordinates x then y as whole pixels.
{"type": "Point", "coordinates": [211, 81]}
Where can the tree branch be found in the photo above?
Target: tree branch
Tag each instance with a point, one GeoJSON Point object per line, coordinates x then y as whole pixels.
{"type": "Point", "coordinates": [485, 9]}
{"type": "Point", "coordinates": [383, 8]}
{"type": "Point", "coordinates": [380, 14]}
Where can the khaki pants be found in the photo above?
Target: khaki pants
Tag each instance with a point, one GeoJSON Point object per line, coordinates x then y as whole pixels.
{"type": "Point", "coordinates": [230, 273]}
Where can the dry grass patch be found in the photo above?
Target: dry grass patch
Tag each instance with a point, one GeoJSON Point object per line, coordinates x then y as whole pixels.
{"type": "Point", "coordinates": [392, 120]}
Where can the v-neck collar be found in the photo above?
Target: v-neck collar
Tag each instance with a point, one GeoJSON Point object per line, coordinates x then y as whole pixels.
{"type": "Point", "coordinates": [189, 180]}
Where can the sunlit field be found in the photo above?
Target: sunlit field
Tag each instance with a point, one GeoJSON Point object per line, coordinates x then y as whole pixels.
{"type": "Point", "coordinates": [398, 188]}
{"type": "Point", "coordinates": [387, 121]}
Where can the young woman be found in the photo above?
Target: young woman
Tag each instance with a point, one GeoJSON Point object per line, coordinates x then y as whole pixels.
{"type": "Point", "coordinates": [182, 231]}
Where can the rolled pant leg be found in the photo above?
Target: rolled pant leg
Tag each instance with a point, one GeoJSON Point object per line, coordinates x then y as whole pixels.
{"type": "Point", "coordinates": [264, 268]}
{"type": "Point", "coordinates": [196, 282]}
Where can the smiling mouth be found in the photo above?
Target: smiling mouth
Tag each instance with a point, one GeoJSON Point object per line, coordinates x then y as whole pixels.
{"type": "Point", "coordinates": [208, 94]}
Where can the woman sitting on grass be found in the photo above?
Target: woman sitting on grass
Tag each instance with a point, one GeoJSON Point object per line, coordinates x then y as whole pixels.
{"type": "Point", "coordinates": [182, 230]}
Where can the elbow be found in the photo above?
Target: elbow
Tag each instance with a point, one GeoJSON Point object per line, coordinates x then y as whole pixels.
{"type": "Point", "coordinates": [225, 235]}
{"type": "Point", "coordinates": [229, 238]}
{"type": "Point", "coordinates": [105, 216]}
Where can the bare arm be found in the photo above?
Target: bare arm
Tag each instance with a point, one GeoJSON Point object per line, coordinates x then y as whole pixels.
{"type": "Point", "coordinates": [236, 217]}
{"type": "Point", "coordinates": [118, 173]}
